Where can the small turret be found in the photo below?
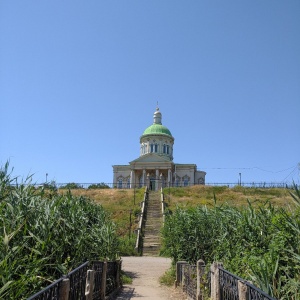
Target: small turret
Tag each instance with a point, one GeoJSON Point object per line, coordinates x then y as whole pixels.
{"type": "Point", "coordinates": [157, 117]}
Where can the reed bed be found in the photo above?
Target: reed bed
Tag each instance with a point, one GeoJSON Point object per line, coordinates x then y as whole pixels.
{"type": "Point", "coordinates": [258, 241]}
{"type": "Point", "coordinates": [44, 235]}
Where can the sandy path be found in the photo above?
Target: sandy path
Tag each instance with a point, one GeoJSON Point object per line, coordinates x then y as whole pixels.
{"type": "Point", "coordinates": [145, 271]}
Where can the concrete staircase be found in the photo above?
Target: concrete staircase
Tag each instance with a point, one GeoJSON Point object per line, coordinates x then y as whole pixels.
{"type": "Point", "coordinates": [151, 240]}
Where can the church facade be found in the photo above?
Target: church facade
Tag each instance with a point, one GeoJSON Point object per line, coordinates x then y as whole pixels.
{"type": "Point", "coordinates": [155, 167]}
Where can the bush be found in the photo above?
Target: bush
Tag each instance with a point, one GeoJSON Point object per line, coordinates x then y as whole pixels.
{"type": "Point", "coordinates": [101, 185]}
{"type": "Point", "coordinates": [71, 185]}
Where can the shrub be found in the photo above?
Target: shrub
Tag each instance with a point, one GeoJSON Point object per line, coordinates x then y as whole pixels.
{"type": "Point", "coordinates": [101, 185]}
{"type": "Point", "coordinates": [71, 185]}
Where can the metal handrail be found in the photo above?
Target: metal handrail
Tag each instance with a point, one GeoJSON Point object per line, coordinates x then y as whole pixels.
{"type": "Point", "coordinates": [141, 221]}
{"type": "Point", "coordinates": [162, 198]}
{"type": "Point", "coordinates": [50, 292]}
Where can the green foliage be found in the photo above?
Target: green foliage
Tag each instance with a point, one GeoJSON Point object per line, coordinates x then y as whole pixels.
{"type": "Point", "coordinates": [127, 245]}
{"type": "Point", "coordinates": [168, 278]}
{"type": "Point", "coordinates": [101, 185]}
{"type": "Point", "coordinates": [71, 185]}
{"type": "Point", "coordinates": [125, 278]}
{"type": "Point", "coordinates": [260, 243]}
{"type": "Point", "coordinates": [44, 235]}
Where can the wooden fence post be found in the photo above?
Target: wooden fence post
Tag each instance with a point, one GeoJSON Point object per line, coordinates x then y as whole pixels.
{"type": "Point", "coordinates": [242, 287]}
{"type": "Point", "coordinates": [183, 279]}
{"type": "Point", "coordinates": [103, 281]}
{"type": "Point", "coordinates": [178, 280]}
{"type": "Point", "coordinates": [64, 289]}
{"type": "Point", "coordinates": [119, 267]}
{"type": "Point", "coordinates": [215, 281]}
{"type": "Point", "coordinates": [89, 286]}
{"type": "Point", "coordinates": [200, 273]}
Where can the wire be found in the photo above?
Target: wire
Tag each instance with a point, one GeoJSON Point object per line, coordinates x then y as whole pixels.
{"type": "Point", "coordinates": [275, 171]}
{"type": "Point", "coordinates": [252, 168]}
{"type": "Point", "coordinates": [290, 173]}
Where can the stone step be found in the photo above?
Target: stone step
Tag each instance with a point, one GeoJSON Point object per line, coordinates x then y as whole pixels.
{"type": "Point", "coordinates": [153, 223]}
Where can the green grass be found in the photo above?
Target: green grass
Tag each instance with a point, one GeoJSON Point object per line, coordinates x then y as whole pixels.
{"type": "Point", "coordinates": [125, 278]}
{"type": "Point", "coordinates": [238, 196]}
{"type": "Point", "coordinates": [168, 278]}
{"type": "Point", "coordinates": [118, 203]}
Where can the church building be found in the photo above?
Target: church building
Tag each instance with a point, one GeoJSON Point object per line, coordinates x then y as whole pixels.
{"type": "Point", "coordinates": [155, 167]}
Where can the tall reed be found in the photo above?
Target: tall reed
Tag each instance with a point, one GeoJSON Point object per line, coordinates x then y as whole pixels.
{"type": "Point", "coordinates": [44, 235]}
{"type": "Point", "coordinates": [259, 243]}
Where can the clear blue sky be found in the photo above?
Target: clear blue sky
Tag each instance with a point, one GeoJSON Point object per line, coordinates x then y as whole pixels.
{"type": "Point", "coordinates": [79, 82]}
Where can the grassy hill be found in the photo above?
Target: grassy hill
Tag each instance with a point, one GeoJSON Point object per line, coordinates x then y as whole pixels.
{"type": "Point", "coordinates": [122, 203]}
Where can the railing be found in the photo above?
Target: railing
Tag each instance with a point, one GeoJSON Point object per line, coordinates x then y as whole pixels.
{"type": "Point", "coordinates": [180, 184]}
{"type": "Point", "coordinates": [254, 293]}
{"type": "Point", "coordinates": [98, 267]}
{"type": "Point", "coordinates": [83, 283]}
{"type": "Point", "coordinates": [51, 292]}
{"type": "Point", "coordinates": [228, 285]}
{"type": "Point", "coordinates": [112, 279]}
{"type": "Point", "coordinates": [141, 221]}
{"type": "Point", "coordinates": [77, 279]}
{"type": "Point", "coordinates": [163, 205]}
{"type": "Point", "coordinates": [190, 280]}
{"type": "Point", "coordinates": [217, 283]}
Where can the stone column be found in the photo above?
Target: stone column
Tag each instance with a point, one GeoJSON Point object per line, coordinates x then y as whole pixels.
{"type": "Point", "coordinates": [242, 287]}
{"type": "Point", "coordinates": [193, 177]}
{"type": "Point", "coordinates": [148, 181]}
{"type": "Point", "coordinates": [200, 273]}
{"type": "Point", "coordinates": [131, 179]}
{"type": "Point", "coordinates": [160, 181]}
{"type": "Point", "coordinates": [156, 179]}
{"type": "Point", "coordinates": [169, 177]}
{"type": "Point", "coordinates": [144, 177]}
{"type": "Point", "coordinates": [215, 283]}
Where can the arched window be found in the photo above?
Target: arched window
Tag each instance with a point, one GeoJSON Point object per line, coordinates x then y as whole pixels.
{"type": "Point", "coordinates": [186, 180]}
{"type": "Point", "coordinates": [155, 148]}
{"type": "Point", "coordinates": [201, 181]}
{"type": "Point", "coordinates": [164, 149]}
{"type": "Point", "coordinates": [151, 148]}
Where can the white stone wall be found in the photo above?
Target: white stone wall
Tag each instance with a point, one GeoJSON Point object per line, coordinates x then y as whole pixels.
{"type": "Point", "coordinates": [121, 173]}
{"type": "Point", "coordinates": [184, 174]}
{"type": "Point", "coordinates": [200, 177]}
{"type": "Point", "coordinates": [145, 145]}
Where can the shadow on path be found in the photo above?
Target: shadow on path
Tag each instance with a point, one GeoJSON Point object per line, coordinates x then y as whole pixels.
{"type": "Point", "coordinates": [127, 293]}
{"type": "Point", "coordinates": [130, 274]}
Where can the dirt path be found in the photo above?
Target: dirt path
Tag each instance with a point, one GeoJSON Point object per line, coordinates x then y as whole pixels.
{"type": "Point", "coordinates": [145, 272]}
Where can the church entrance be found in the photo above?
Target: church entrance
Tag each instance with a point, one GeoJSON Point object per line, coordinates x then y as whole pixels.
{"type": "Point", "coordinates": [153, 184]}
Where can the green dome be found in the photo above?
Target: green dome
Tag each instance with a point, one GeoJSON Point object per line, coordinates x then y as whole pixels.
{"type": "Point", "coordinates": [157, 129]}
